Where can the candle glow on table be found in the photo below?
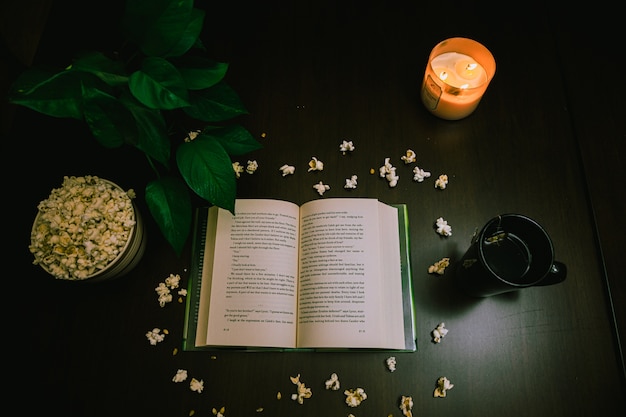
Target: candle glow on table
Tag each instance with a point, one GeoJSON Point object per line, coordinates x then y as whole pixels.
{"type": "Point", "coordinates": [456, 77]}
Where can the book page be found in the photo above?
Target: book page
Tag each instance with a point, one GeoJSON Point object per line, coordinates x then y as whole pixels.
{"type": "Point", "coordinates": [253, 288]}
{"type": "Point", "coordinates": [350, 291]}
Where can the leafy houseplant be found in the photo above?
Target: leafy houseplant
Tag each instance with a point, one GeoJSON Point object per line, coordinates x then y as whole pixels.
{"type": "Point", "coordinates": [138, 97]}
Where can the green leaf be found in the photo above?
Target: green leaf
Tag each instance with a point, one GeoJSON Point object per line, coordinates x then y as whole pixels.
{"type": "Point", "coordinates": [215, 104]}
{"type": "Point", "coordinates": [162, 27]}
{"type": "Point", "coordinates": [236, 140]}
{"type": "Point", "coordinates": [152, 133]}
{"type": "Point", "coordinates": [208, 170]}
{"type": "Point", "coordinates": [110, 122]}
{"type": "Point", "coordinates": [159, 85]}
{"type": "Point", "coordinates": [199, 72]}
{"type": "Point", "coordinates": [111, 72]}
{"type": "Point", "coordinates": [170, 205]}
{"type": "Point", "coordinates": [57, 95]}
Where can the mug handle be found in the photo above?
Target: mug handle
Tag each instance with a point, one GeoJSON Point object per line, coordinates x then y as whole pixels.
{"type": "Point", "coordinates": [558, 273]}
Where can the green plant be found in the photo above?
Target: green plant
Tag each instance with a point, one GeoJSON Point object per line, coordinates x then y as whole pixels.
{"type": "Point", "coordinates": [138, 97]}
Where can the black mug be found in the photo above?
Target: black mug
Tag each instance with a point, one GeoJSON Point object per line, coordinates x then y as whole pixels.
{"type": "Point", "coordinates": [511, 252]}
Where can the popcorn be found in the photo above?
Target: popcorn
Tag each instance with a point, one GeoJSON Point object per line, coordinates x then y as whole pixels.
{"type": "Point", "coordinates": [439, 332]}
{"type": "Point", "coordinates": [346, 146]}
{"type": "Point", "coordinates": [443, 385]}
{"type": "Point", "coordinates": [441, 182]}
{"type": "Point", "coordinates": [351, 182]}
{"type": "Point", "coordinates": [443, 228]}
{"type": "Point", "coordinates": [155, 336]}
{"type": "Point", "coordinates": [388, 172]}
{"type": "Point", "coordinates": [391, 363]}
{"type": "Point", "coordinates": [439, 267]}
{"type": "Point", "coordinates": [419, 174]}
{"type": "Point", "coordinates": [172, 281]}
{"type": "Point", "coordinates": [333, 382]}
{"type": "Point", "coordinates": [315, 165]}
{"type": "Point", "coordinates": [409, 157]}
{"type": "Point", "coordinates": [252, 167]}
{"type": "Point", "coordinates": [192, 135]}
{"type": "Point", "coordinates": [196, 385]}
{"type": "Point", "coordinates": [406, 405]}
{"type": "Point", "coordinates": [164, 289]}
{"type": "Point", "coordinates": [302, 391]}
{"type": "Point", "coordinates": [287, 170]}
{"type": "Point", "coordinates": [81, 227]}
{"type": "Point", "coordinates": [321, 188]}
{"type": "Point", "coordinates": [238, 168]}
{"type": "Point", "coordinates": [354, 397]}
{"type": "Point", "coordinates": [181, 375]}
{"type": "Point", "coordinates": [219, 413]}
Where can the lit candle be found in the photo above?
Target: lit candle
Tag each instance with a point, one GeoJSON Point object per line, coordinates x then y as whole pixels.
{"type": "Point", "coordinates": [456, 77]}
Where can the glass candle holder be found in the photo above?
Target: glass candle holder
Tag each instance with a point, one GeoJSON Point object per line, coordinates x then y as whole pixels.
{"type": "Point", "coordinates": [456, 77]}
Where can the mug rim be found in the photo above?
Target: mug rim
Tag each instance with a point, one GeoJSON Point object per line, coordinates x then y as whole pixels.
{"type": "Point", "coordinates": [483, 260]}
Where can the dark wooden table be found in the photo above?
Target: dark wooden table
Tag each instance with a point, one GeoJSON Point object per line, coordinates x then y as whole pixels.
{"type": "Point", "coordinates": [546, 141]}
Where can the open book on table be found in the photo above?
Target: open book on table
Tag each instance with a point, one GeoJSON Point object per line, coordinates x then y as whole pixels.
{"type": "Point", "coordinates": [329, 274]}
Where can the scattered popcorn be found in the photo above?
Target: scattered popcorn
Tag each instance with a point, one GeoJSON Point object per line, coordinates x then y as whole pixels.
{"type": "Point", "coordinates": [443, 385]}
{"type": "Point", "coordinates": [439, 267]}
{"type": "Point", "coordinates": [441, 182]}
{"type": "Point", "coordinates": [259, 410]}
{"type": "Point", "coordinates": [192, 135]}
{"type": "Point", "coordinates": [346, 146]}
{"type": "Point", "coordinates": [219, 413]}
{"type": "Point", "coordinates": [238, 168]}
{"type": "Point", "coordinates": [81, 227]}
{"type": "Point", "coordinates": [443, 228]}
{"type": "Point", "coordinates": [391, 363]}
{"type": "Point", "coordinates": [372, 171]}
{"type": "Point", "coordinates": [321, 188]}
{"type": "Point", "coordinates": [351, 182]}
{"type": "Point", "coordinates": [406, 405]}
{"type": "Point", "coordinates": [175, 351]}
{"type": "Point", "coordinates": [172, 281]}
{"type": "Point", "coordinates": [333, 382]}
{"type": "Point", "coordinates": [263, 135]}
{"type": "Point", "coordinates": [409, 157]}
{"type": "Point", "coordinates": [155, 336]}
{"type": "Point", "coordinates": [302, 391]}
{"type": "Point", "coordinates": [354, 397]}
{"type": "Point", "coordinates": [287, 169]}
{"type": "Point", "coordinates": [252, 167]}
{"type": "Point", "coordinates": [164, 289]}
{"type": "Point", "coordinates": [419, 174]}
{"type": "Point", "coordinates": [279, 395]}
{"type": "Point", "coordinates": [196, 385]}
{"type": "Point", "coordinates": [439, 332]}
{"type": "Point", "coordinates": [181, 375]}
{"type": "Point", "coordinates": [388, 172]}
{"type": "Point", "coordinates": [315, 165]}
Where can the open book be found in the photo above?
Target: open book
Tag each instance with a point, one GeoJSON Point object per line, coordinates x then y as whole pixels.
{"type": "Point", "coordinates": [330, 274]}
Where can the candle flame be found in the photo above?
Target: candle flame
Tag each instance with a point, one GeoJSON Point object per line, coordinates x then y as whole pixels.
{"type": "Point", "coordinates": [464, 86]}
{"type": "Point", "coordinates": [443, 75]}
{"type": "Point", "coordinates": [471, 67]}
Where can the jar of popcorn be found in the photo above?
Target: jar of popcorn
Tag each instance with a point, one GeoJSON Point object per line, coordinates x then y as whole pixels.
{"type": "Point", "coordinates": [89, 229]}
